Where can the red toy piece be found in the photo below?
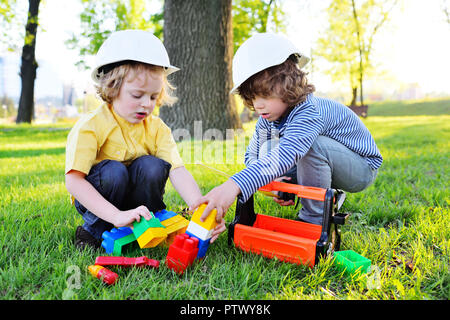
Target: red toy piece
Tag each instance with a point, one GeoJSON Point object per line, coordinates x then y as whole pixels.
{"type": "Point", "coordinates": [152, 263]}
{"type": "Point", "coordinates": [182, 253]}
{"type": "Point", "coordinates": [126, 262]}
{"type": "Point", "coordinates": [107, 276]}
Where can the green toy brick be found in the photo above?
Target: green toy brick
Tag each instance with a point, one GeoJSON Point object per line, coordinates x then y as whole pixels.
{"type": "Point", "coordinates": [351, 262]}
{"type": "Point", "coordinates": [140, 227]}
{"type": "Point", "coordinates": [120, 243]}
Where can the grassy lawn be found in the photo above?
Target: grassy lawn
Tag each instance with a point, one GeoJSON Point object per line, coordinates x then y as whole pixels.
{"type": "Point", "coordinates": [401, 223]}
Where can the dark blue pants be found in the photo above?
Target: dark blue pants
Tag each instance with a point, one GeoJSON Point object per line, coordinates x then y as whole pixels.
{"type": "Point", "coordinates": [141, 183]}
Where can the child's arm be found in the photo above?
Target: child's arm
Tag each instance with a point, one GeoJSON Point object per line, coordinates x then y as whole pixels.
{"type": "Point", "coordinates": [92, 200]}
{"type": "Point", "coordinates": [185, 185]}
{"type": "Point", "coordinates": [251, 154]}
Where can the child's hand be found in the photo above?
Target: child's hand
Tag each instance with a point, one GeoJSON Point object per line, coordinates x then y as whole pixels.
{"type": "Point", "coordinates": [282, 202]}
{"type": "Point", "coordinates": [219, 198]}
{"type": "Point", "coordinates": [218, 230]}
{"type": "Point", "coordinates": [126, 218]}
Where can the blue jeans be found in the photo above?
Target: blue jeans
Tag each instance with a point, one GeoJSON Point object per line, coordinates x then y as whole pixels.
{"type": "Point", "coordinates": [328, 164]}
{"type": "Point", "coordinates": [141, 183]}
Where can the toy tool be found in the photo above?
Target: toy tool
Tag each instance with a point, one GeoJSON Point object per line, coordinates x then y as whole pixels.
{"type": "Point", "coordinates": [106, 275]}
{"type": "Point", "coordinates": [289, 240]}
{"type": "Point", "coordinates": [126, 262]}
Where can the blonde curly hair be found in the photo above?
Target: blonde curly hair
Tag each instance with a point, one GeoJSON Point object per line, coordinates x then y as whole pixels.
{"type": "Point", "coordinates": [285, 81]}
{"type": "Point", "coordinates": [114, 75]}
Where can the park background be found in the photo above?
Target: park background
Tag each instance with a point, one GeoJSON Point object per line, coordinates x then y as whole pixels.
{"type": "Point", "coordinates": [401, 222]}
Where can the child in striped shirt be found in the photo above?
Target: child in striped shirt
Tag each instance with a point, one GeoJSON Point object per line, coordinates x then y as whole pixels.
{"type": "Point", "coordinates": [298, 137]}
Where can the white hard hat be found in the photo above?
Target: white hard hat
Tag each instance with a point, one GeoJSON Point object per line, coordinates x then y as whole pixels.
{"type": "Point", "coordinates": [261, 51]}
{"type": "Point", "coordinates": [136, 45]}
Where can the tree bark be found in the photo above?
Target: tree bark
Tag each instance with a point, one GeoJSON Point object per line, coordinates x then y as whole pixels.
{"type": "Point", "coordinates": [29, 65]}
{"type": "Point", "coordinates": [354, 96]}
{"type": "Point", "coordinates": [198, 37]}
{"type": "Point", "coordinates": [358, 34]}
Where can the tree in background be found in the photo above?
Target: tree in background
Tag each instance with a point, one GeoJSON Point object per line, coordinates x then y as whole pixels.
{"type": "Point", "coordinates": [251, 16]}
{"type": "Point", "coordinates": [11, 19]}
{"type": "Point", "coordinates": [7, 15]}
{"type": "Point", "coordinates": [100, 18]}
{"type": "Point", "coordinates": [198, 37]}
{"type": "Point", "coordinates": [446, 8]}
{"type": "Point", "coordinates": [348, 40]}
{"type": "Point", "coordinates": [29, 65]}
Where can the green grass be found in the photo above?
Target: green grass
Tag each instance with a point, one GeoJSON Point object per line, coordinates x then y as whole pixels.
{"type": "Point", "coordinates": [401, 223]}
{"type": "Point", "coordinates": [412, 108]}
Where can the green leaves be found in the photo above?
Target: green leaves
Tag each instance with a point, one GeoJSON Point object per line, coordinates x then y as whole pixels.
{"type": "Point", "coordinates": [100, 18]}
{"type": "Point", "coordinates": [250, 16]}
{"type": "Point", "coordinates": [348, 39]}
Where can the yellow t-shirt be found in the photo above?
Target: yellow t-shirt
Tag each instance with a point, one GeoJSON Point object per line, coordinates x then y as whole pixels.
{"type": "Point", "coordinates": [102, 134]}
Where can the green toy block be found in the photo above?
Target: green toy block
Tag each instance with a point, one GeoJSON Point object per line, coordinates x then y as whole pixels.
{"type": "Point", "coordinates": [120, 243]}
{"type": "Point", "coordinates": [149, 233]}
{"type": "Point", "coordinates": [351, 262]}
{"type": "Point", "coordinates": [140, 227]}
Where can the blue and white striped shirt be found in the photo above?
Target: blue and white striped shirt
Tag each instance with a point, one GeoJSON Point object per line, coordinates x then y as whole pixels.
{"type": "Point", "coordinates": [315, 116]}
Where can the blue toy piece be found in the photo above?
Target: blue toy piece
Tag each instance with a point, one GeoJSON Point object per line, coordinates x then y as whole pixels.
{"type": "Point", "coordinates": [164, 214]}
{"type": "Point", "coordinates": [202, 245]}
{"type": "Point", "coordinates": [109, 239]}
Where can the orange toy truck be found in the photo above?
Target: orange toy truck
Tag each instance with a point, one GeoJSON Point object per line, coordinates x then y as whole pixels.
{"type": "Point", "coordinates": [289, 240]}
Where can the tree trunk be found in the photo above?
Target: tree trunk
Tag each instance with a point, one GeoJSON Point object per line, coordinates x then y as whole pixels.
{"type": "Point", "coordinates": [198, 37]}
{"type": "Point", "coordinates": [29, 65]}
{"type": "Point", "coordinates": [358, 34]}
{"type": "Point", "coordinates": [354, 96]}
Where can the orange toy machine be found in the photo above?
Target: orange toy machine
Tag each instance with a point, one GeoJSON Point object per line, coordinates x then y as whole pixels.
{"type": "Point", "coordinates": [289, 240]}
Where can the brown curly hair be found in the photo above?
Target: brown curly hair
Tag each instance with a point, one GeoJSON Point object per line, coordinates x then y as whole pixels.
{"type": "Point", "coordinates": [110, 83]}
{"type": "Point", "coordinates": [285, 81]}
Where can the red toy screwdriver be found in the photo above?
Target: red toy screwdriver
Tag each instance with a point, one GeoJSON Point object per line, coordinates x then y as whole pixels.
{"type": "Point", "coordinates": [106, 275]}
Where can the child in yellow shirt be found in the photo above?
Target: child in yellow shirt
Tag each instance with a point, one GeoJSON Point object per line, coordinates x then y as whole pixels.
{"type": "Point", "coordinates": [119, 157]}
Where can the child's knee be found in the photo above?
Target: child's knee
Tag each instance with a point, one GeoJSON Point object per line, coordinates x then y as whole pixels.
{"type": "Point", "coordinates": [151, 169]}
{"type": "Point", "coordinates": [114, 174]}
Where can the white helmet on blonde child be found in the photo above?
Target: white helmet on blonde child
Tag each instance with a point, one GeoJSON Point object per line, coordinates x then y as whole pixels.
{"type": "Point", "coordinates": [259, 52]}
{"type": "Point", "coordinates": [136, 45]}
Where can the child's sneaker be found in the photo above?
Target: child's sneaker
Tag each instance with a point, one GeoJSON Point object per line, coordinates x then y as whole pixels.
{"type": "Point", "coordinates": [84, 239]}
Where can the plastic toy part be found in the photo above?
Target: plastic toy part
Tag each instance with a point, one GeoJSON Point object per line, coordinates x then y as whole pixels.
{"type": "Point", "coordinates": [288, 240]}
{"type": "Point", "coordinates": [203, 245]}
{"type": "Point", "coordinates": [100, 272]}
{"type": "Point", "coordinates": [210, 221]}
{"type": "Point", "coordinates": [116, 239]}
{"type": "Point", "coordinates": [163, 214]}
{"type": "Point", "coordinates": [182, 253]}
{"type": "Point", "coordinates": [202, 230]}
{"type": "Point", "coordinates": [298, 190]}
{"type": "Point", "coordinates": [149, 233]}
{"type": "Point", "coordinates": [126, 262]}
{"type": "Point", "coordinates": [351, 262]}
{"type": "Point", "coordinates": [174, 224]}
